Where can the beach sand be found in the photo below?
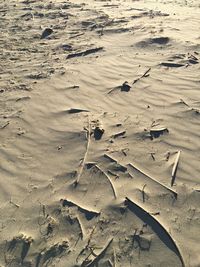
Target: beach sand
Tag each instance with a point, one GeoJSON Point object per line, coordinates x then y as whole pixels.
{"type": "Point", "coordinates": [99, 133]}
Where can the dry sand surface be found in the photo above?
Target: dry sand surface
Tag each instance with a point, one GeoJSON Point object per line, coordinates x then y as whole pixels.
{"type": "Point", "coordinates": [100, 133]}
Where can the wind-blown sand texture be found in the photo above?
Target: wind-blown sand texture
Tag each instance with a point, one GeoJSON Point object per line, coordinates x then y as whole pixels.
{"type": "Point", "coordinates": [99, 133]}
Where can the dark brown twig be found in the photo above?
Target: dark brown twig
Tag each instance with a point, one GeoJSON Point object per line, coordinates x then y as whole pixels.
{"type": "Point", "coordinates": [144, 75]}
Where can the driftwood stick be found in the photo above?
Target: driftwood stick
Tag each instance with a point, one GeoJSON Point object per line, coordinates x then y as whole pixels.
{"type": "Point", "coordinates": [110, 158]}
{"type": "Point", "coordinates": [174, 170]}
{"type": "Point", "coordinates": [109, 179]}
{"type": "Point", "coordinates": [156, 226]}
{"type": "Point", "coordinates": [88, 135]}
{"type": "Point", "coordinates": [154, 180]}
{"type": "Point", "coordinates": [81, 227]}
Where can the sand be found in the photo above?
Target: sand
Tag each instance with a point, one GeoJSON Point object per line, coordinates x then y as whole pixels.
{"type": "Point", "coordinates": [99, 133]}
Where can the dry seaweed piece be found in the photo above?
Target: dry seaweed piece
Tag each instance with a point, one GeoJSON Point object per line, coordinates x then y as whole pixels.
{"type": "Point", "coordinates": [89, 214]}
{"type": "Point", "coordinates": [125, 87]}
{"type": "Point", "coordinates": [108, 178]}
{"type": "Point", "coordinates": [172, 65]}
{"type": "Point", "coordinates": [98, 133]}
{"type": "Point", "coordinates": [154, 180]}
{"type": "Point", "coordinates": [73, 87]}
{"type": "Point", "coordinates": [46, 33]}
{"type": "Point", "coordinates": [76, 110]}
{"type": "Point", "coordinates": [156, 226]}
{"type": "Point", "coordinates": [85, 52]}
{"type": "Point", "coordinates": [66, 47]}
{"type": "Point", "coordinates": [175, 167]}
{"type": "Point", "coordinates": [156, 132]}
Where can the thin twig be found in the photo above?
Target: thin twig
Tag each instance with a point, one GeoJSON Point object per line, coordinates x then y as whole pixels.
{"type": "Point", "coordinates": [144, 75]}
{"type": "Point", "coordinates": [88, 244]}
{"type": "Point", "coordinates": [154, 180]}
{"type": "Point", "coordinates": [113, 89]}
{"type": "Point", "coordinates": [175, 167]}
{"type": "Point", "coordinates": [182, 101]}
{"type": "Point", "coordinates": [143, 193]}
{"type": "Point", "coordinates": [88, 135]}
{"type": "Point", "coordinates": [5, 125]}
{"type": "Point", "coordinates": [16, 205]}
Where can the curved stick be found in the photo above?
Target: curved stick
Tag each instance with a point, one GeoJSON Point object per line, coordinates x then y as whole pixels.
{"type": "Point", "coordinates": [156, 226]}
{"type": "Point", "coordinates": [108, 178]}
